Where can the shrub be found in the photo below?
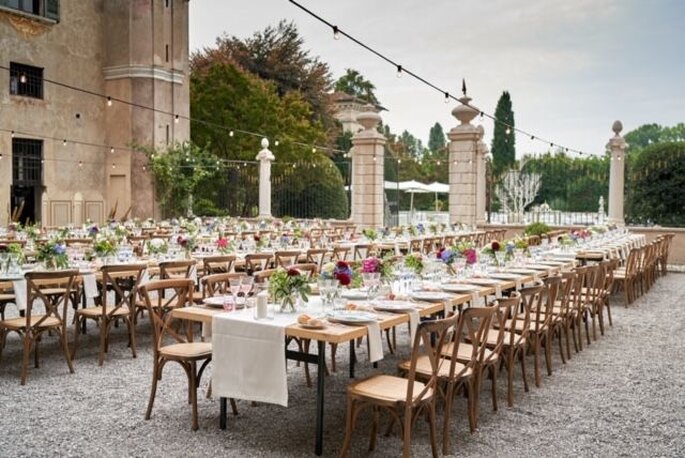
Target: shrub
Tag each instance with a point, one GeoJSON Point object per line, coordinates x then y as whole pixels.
{"type": "Point", "coordinates": [536, 229]}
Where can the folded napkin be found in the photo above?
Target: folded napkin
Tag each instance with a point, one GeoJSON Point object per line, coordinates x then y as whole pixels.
{"type": "Point", "coordinates": [498, 291]}
{"type": "Point", "coordinates": [19, 287]}
{"type": "Point", "coordinates": [249, 357]}
{"type": "Point", "coordinates": [193, 274]}
{"type": "Point", "coordinates": [474, 298]}
{"type": "Point", "coordinates": [375, 341]}
{"type": "Point", "coordinates": [413, 324]}
{"type": "Point", "coordinates": [90, 285]}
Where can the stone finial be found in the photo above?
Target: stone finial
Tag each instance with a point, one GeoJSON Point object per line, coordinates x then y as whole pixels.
{"type": "Point", "coordinates": [369, 119]}
{"type": "Point", "coordinates": [265, 143]}
{"type": "Point", "coordinates": [481, 132]}
{"type": "Point", "coordinates": [617, 127]}
{"type": "Point", "coordinates": [464, 112]}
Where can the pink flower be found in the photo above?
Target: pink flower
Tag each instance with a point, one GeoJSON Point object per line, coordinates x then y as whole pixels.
{"type": "Point", "coordinates": [222, 243]}
{"type": "Point", "coordinates": [470, 255]}
{"type": "Point", "coordinates": [371, 265]}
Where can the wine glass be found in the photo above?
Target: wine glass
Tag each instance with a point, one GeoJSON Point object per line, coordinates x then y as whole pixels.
{"type": "Point", "coordinates": [234, 286]}
{"type": "Point", "coordinates": [246, 285]}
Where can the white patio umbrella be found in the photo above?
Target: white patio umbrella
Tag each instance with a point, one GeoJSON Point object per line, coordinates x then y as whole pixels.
{"type": "Point", "coordinates": [441, 188]}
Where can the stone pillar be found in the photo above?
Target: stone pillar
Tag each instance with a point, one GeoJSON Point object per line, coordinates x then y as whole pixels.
{"type": "Point", "coordinates": [265, 157]}
{"type": "Point", "coordinates": [617, 146]}
{"type": "Point", "coordinates": [481, 169]}
{"type": "Point", "coordinates": [367, 171]}
{"type": "Point", "coordinates": [463, 165]}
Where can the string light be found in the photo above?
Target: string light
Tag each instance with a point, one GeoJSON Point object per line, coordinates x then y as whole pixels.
{"type": "Point", "coordinates": [276, 143]}
{"type": "Point", "coordinates": [22, 78]}
{"type": "Point", "coordinates": [12, 134]}
{"type": "Point", "coordinates": [447, 97]}
{"type": "Point", "coordinates": [114, 165]}
{"type": "Point", "coordinates": [176, 119]}
{"type": "Point", "coordinates": [111, 150]}
{"type": "Point", "coordinates": [64, 142]}
{"type": "Point", "coordinates": [80, 163]}
{"type": "Point", "coordinates": [314, 150]}
{"type": "Point", "coordinates": [230, 134]}
{"type": "Point", "coordinates": [508, 131]}
{"type": "Point", "coordinates": [109, 101]}
{"type": "Point", "coordinates": [399, 71]}
{"type": "Point", "coordinates": [336, 33]}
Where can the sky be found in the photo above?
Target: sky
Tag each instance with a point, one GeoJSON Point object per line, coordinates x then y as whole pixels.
{"type": "Point", "coordinates": [572, 67]}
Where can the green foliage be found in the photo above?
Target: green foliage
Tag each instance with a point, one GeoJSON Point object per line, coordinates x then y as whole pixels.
{"type": "Point", "coordinates": [353, 83]}
{"type": "Point", "coordinates": [657, 176]}
{"type": "Point", "coordinates": [503, 143]}
{"type": "Point", "coordinates": [436, 138]}
{"type": "Point", "coordinates": [650, 134]}
{"type": "Point", "coordinates": [536, 229]}
{"type": "Point", "coordinates": [178, 173]}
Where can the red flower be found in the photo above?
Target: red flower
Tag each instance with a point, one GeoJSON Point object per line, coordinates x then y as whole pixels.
{"type": "Point", "coordinates": [342, 265]}
{"type": "Point", "coordinates": [439, 253]}
{"type": "Point", "coordinates": [293, 272]}
{"type": "Point", "coordinates": [3, 248]}
{"type": "Point", "coordinates": [343, 278]}
{"type": "Point", "coordinates": [257, 238]}
{"type": "Point", "coordinates": [182, 241]}
{"type": "Point", "coordinates": [495, 245]}
{"type": "Point", "coordinates": [222, 243]}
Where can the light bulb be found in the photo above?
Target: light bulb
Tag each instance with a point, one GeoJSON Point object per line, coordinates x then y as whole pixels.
{"type": "Point", "coordinates": [447, 97]}
{"type": "Point", "coordinates": [314, 150]}
{"type": "Point", "coordinates": [22, 78]}
{"type": "Point", "coordinates": [109, 101]}
{"type": "Point", "coordinates": [12, 134]}
{"type": "Point", "coordinates": [438, 163]}
{"type": "Point", "coordinates": [114, 166]}
{"type": "Point", "coordinates": [111, 150]}
{"type": "Point", "coordinates": [276, 143]}
{"type": "Point", "coordinates": [80, 163]}
{"type": "Point", "coordinates": [64, 142]}
{"type": "Point", "coordinates": [374, 158]}
{"type": "Point", "coordinates": [508, 131]}
{"type": "Point", "coordinates": [399, 71]}
{"type": "Point", "coordinates": [230, 134]}
{"type": "Point", "coordinates": [336, 33]}
{"type": "Point", "coordinates": [0, 156]}
{"type": "Point", "coordinates": [399, 161]}
{"type": "Point", "coordinates": [176, 119]}
{"type": "Point", "coordinates": [294, 166]}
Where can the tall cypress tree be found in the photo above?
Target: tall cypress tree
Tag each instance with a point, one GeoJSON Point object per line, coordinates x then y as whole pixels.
{"type": "Point", "coordinates": [503, 140]}
{"type": "Point", "coordinates": [436, 138]}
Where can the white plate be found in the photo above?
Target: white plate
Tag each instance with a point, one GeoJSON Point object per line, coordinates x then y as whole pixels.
{"type": "Point", "coordinates": [506, 276]}
{"type": "Point", "coordinates": [218, 301]}
{"type": "Point", "coordinates": [352, 317]}
{"type": "Point", "coordinates": [430, 296]}
{"type": "Point", "coordinates": [313, 327]}
{"type": "Point", "coordinates": [460, 288]}
{"type": "Point", "coordinates": [393, 306]}
{"type": "Point", "coordinates": [357, 294]}
{"type": "Point", "coordinates": [483, 281]}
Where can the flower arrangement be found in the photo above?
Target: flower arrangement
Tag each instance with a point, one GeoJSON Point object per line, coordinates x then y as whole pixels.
{"type": "Point", "coordinates": [370, 234]}
{"type": "Point", "coordinates": [373, 264]}
{"type": "Point", "coordinates": [414, 262]}
{"type": "Point", "coordinates": [287, 285]}
{"type": "Point", "coordinates": [399, 231]}
{"type": "Point", "coordinates": [53, 254]}
{"type": "Point", "coordinates": [104, 247]}
{"type": "Point", "coordinates": [340, 271]}
{"type": "Point", "coordinates": [157, 246]}
{"type": "Point", "coordinates": [223, 245]}
{"type": "Point", "coordinates": [16, 250]}
{"type": "Point", "coordinates": [598, 229]}
{"type": "Point", "coordinates": [259, 242]}
{"type": "Point", "coordinates": [187, 242]}
{"type": "Point", "coordinates": [420, 227]}
{"type": "Point", "coordinates": [93, 231]}
{"type": "Point", "coordinates": [32, 232]}
{"type": "Point", "coordinates": [565, 240]}
{"type": "Point", "coordinates": [412, 231]}
{"type": "Point", "coordinates": [493, 248]}
{"type": "Point", "coordinates": [433, 228]}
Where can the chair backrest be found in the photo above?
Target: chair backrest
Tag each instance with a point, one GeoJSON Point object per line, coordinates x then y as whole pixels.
{"type": "Point", "coordinates": [286, 258]}
{"type": "Point", "coordinates": [55, 304]}
{"type": "Point", "coordinates": [340, 253]}
{"type": "Point", "coordinates": [257, 261]}
{"type": "Point", "coordinates": [363, 250]}
{"type": "Point", "coordinates": [309, 269]}
{"type": "Point", "coordinates": [317, 256]}
{"type": "Point", "coordinates": [218, 264]}
{"type": "Point", "coordinates": [218, 284]}
{"type": "Point", "coordinates": [429, 340]}
{"type": "Point", "coordinates": [263, 275]}
{"type": "Point", "coordinates": [531, 300]}
{"type": "Point", "coordinates": [552, 286]}
{"type": "Point", "coordinates": [509, 310]}
{"type": "Point", "coordinates": [566, 292]}
{"type": "Point", "coordinates": [476, 325]}
{"type": "Point", "coordinates": [159, 308]}
{"type": "Point", "coordinates": [124, 279]}
{"type": "Point", "coordinates": [176, 269]}
{"type": "Point", "coordinates": [593, 277]}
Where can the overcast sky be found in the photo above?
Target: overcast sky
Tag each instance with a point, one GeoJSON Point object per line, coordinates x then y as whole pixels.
{"type": "Point", "coordinates": [572, 66]}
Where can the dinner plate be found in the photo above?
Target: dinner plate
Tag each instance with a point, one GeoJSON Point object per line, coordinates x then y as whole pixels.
{"type": "Point", "coordinates": [505, 276]}
{"type": "Point", "coordinates": [460, 288]}
{"type": "Point", "coordinates": [354, 294]}
{"type": "Point", "coordinates": [430, 296]}
{"type": "Point", "coordinates": [483, 281]}
{"type": "Point", "coordinates": [352, 317]}
{"type": "Point", "coordinates": [218, 301]}
{"type": "Point", "coordinates": [393, 306]}
{"type": "Point", "coordinates": [524, 271]}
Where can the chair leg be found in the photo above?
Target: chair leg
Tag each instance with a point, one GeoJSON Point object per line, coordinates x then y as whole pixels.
{"type": "Point", "coordinates": [104, 329]}
{"type": "Point", "coordinates": [446, 419]}
{"type": "Point", "coordinates": [349, 426]}
{"type": "Point", "coordinates": [608, 306]}
{"type": "Point", "coordinates": [374, 429]}
{"type": "Point", "coordinates": [3, 341]}
{"type": "Point", "coordinates": [192, 382]}
{"type": "Point", "coordinates": [406, 439]}
{"type": "Point", "coordinates": [522, 357]}
{"type": "Point", "coordinates": [493, 386]}
{"type": "Point", "coordinates": [548, 352]}
{"type": "Point", "coordinates": [65, 347]}
{"type": "Point", "coordinates": [25, 358]}
{"type": "Point", "coordinates": [334, 350]}
{"type": "Point", "coordinates": [510, 376]}
{"type": "Point", "coordinates": [132, 336]}
{"type": "Point", "coordinates": [77, 335]}
{"type": "Point", "coordinates": [153, 390]}
{"type": "Point", "coordinates": [536, 361]}
{"type": "Point", "coordinates": [431, 425]}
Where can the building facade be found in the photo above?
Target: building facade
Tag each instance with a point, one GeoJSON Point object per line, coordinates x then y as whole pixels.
{"type": "Point", "coordinates": [67, 154]}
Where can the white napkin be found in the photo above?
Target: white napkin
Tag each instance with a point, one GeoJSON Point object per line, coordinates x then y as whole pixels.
{"type": "Point", "coordinates": [249, 357]}
{"type": "Point", "coordinates": [19, 287]}
{"type": "Point", "coordinates": [375, 342]}
{"type": "Point", "coordinates": [498, 291]}
{"type": "Point", "coordinates": [90, 285]}
{"type": "Point", "coordinates": [518, 285]}
{"type": "Point", "coordinates": [475, 298]}
{"type": "Point", "coordinates": [193, 274]}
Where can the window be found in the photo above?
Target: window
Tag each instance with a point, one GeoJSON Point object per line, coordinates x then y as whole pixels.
{"type": "Point", "coordinates": [26, 80]}
{"type": "Point", "coordinates": [45, 8]}
{"type": "Point", "coordinates": [27, 156]}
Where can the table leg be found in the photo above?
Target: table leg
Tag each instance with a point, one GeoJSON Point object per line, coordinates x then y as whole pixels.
{"type": "Point", "coordinates": [353, 358]}
{"type": "Point", "coordinates": [318, 449]}
{"type": "Point", "coordinates": [222, 413]}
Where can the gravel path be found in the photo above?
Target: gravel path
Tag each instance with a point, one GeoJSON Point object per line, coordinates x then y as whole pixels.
{"type": "Point", "coordinates": [622, 396]}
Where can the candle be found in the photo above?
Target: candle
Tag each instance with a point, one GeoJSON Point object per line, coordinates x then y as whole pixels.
{"type": "Point", "coordinates": [262, 301]}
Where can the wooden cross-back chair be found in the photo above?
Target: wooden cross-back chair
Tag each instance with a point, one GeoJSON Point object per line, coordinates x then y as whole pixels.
{"type": "Point", "coordinates": [258, 261]}
{"type": "Point", "coordinates": [123, 280]}
{"type": "Point", "coordinates": [182, 349]}
{"type": "Point", "coordinates": [340, 253]}
{"type": "Point", "coordinates": [363, 250]}
{"type": "Point", "coordinates": [34, 324]}
{"type": "Point", "coordinates": [286, 258]}
{"type": "Point", "coordinates": [218, 264]}
{"type": "Point", "coordinates": [404, 398]}
{"type": "Point", "coordinates": [317, 256]}
{"type": "Point", "coordinates": [218, 284]}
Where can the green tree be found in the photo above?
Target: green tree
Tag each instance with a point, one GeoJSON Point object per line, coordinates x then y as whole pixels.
{"type": "Point", "coordinates": [643, 136]}
{"type": "Point", "coordinates": [436, 138]}
{"type": "Point", "coordinates": [658, 178]}
{"type": "Point", "coordinates": [503, 140]}
{"type": "Point", "coordinates": [353, 83]}
{"type": "Point", "coordinates": [276, 54]}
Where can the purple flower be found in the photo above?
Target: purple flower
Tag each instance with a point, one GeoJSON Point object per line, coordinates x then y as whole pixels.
{"type": "Point", "coordinates": [60, 249]}
{"type": "Point", "coordinates": [445, 255]}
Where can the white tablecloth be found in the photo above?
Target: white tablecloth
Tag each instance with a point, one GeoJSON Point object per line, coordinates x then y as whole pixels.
{"type": "Point", "coordinates": [249, 357]}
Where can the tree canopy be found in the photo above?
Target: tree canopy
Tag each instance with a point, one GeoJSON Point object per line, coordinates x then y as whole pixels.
{"type": "Point", "coordinates": [436, 138]}
{"type": "Point", "coordinates": [503, 140]}
{"type": "Point", "coordinates": [353, 83]}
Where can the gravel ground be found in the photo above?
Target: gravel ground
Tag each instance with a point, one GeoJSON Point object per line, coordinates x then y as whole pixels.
{"type": "Point", "coordinates": [622, 396]}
